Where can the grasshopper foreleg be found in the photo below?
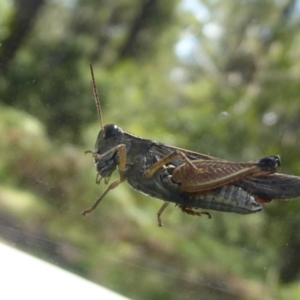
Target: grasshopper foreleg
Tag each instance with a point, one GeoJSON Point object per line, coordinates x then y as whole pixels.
{"type": "Point", "coordinates": [111, 187]}
{"type": "Point", "coordinates": [121, 149]}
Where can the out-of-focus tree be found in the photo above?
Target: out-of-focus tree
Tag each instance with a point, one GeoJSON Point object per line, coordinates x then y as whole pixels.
{"type": "Point", "coordinates": [19, 25]}
{"type": "Point", "coordinates": [52, 57]}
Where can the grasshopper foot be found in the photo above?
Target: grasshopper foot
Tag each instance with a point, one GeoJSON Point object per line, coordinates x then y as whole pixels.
{"type": "Point", "coordinates": [190, 211]}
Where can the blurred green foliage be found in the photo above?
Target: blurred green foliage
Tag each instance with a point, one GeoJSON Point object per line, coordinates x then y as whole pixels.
{"type": "Point", "coordinates": [232, 93]}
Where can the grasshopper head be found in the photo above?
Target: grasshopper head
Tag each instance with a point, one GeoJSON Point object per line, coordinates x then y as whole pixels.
{"type": "Point", "coordinates": [108, 138]}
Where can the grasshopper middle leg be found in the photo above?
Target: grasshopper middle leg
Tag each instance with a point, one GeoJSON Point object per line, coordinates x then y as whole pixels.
{"type": "Point", "coordinates": [159, 213]}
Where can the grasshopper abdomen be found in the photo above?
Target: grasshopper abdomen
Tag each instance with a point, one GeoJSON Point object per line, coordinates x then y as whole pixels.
{"type": "Point", "coordinates": [229, 198]}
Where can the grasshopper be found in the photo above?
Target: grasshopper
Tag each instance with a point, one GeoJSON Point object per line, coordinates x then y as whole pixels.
{"type": "Point", "coordinates": [189, 179]}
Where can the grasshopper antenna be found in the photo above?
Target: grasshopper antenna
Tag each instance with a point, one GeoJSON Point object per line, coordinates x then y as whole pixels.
{"type": "Point", "coordinates": [96, 97]}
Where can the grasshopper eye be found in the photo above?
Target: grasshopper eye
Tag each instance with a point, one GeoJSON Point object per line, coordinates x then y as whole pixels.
{"type": "Point", "coordinates": [111, 130]}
